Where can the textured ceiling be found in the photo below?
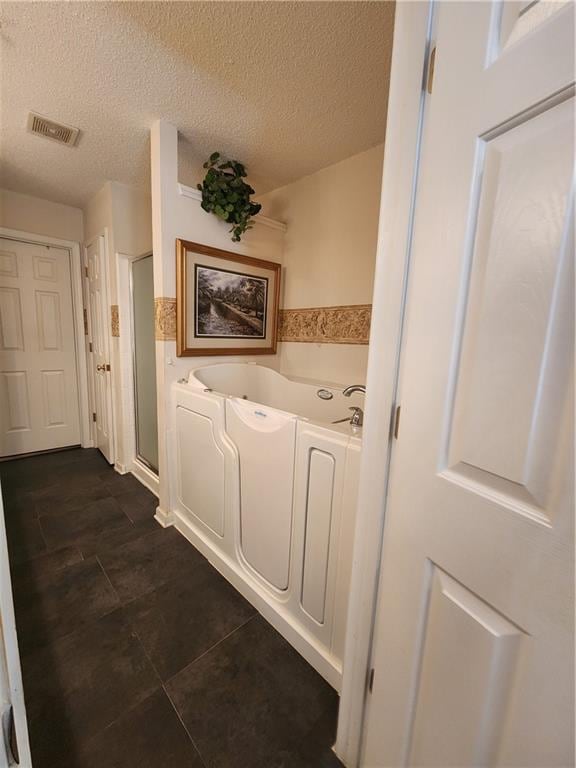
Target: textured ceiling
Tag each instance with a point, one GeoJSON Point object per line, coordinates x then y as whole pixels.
{"type": "Point", "coordinates": [286, 87]}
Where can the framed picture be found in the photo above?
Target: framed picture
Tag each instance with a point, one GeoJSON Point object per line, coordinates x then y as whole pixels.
{"type": "Point", "coordinates": [226, 304]}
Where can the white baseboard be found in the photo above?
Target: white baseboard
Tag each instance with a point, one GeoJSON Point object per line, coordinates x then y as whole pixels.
{"type": "Point", "coordinates": [165, 519]}
{"type": "Point", "coordinates": [146, 477]}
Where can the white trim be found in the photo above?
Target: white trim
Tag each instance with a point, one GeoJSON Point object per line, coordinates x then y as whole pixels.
{"type": "Point", "coordinates": [146, 476]}
{"type": "Point", "coordinates": [165, 519]}
{"type": "Point", "coordinates": [405, 114]}
{"type": "Point", "coordinates": [9, 655]}
{"type": "Point", "coordinates": [73, 249]}
{"type": "Point", "coordinates": [264, 221]}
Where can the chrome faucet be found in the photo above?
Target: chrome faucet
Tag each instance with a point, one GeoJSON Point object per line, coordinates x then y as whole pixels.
{"type": "Point", "coordinates": [357, 418]}
{"type": "Point", "coordinates": [354, 388]}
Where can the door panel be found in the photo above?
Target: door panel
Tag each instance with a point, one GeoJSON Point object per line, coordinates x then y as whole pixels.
{"type": "Point", "coordinates": [99, 334]}
{"type": "Point", "coordinates": [38, 374]}
{"type": "Point", "coordinates": [473, 651]}
{"type": "Point", "coordinates": [461, 698]}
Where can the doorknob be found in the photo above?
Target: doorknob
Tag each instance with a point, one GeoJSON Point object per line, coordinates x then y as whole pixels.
{"type": "Point", "coordinates": [103, 367]}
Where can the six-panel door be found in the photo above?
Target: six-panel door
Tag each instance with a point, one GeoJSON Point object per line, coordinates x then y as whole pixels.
{"type": "Point", "coordinates": [38, 377]}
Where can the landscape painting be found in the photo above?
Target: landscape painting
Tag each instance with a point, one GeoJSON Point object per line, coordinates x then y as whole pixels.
{"type": "Point", "coordinates": [229, 305]}
{"type": "Point", "coordinates": [226, 303]}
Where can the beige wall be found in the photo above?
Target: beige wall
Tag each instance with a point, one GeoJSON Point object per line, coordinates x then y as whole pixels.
{"type": "Point", "coordinates": [329, 256]}
{"type": "Point", "coordinates": [41, 217]}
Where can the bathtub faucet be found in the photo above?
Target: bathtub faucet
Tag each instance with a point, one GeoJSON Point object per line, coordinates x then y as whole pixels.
{"type": "Point", "coordinates": [354, 388]}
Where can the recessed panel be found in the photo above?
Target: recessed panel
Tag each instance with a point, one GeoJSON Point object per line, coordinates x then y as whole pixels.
{"type": "Point", "coordinates": [15, 401]}
{"type": "Point", "coordinates": [11, 332]}
{"type": "Point", "coordinates": [522, 17]}
{"type": "Point", "coordinates": [49, 320]}
{"type": "Point", "coordinates": [201, 469]}
{"type": "Point", "coordinates": [54, 394]}
{"type": "Point", "coordinates": [8, 264]}
{"type": "Point", "coordinates": [468, 657]}
{"type": "Point", "coordinates": [517, 297]}
{"type": "Point", "coordinates": [45, 269]}
{"type": "Point", "coordinates": [321, 468]}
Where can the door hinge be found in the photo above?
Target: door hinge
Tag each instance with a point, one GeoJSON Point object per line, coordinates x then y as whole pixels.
{"type": "Point", "coordinates": [85, 322]}
{"type": "Point", "coordinates": [107, 366]}
{"type": "Point", "coordinates": [8, 728]}
{"type": "Point", "coordinates": [93, 417]}
{"type": "Point", "coordinates": [86, 271]}
{"type": "Point", "coordinates": [395, 422]}
{"type": "Point", "coordinates": [430, 74]}
{"type": "Point", "coordinates": [371, 680]}
{"type": "Point", "coordinates": [90, 346]}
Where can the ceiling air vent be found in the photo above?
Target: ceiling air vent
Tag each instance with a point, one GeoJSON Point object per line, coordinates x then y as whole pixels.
{"type": "Point", "coordinates": [42, 126]}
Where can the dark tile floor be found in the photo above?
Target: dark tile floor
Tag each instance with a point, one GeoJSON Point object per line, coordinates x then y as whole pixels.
{"type": "Point", "coordinates": [135, 652]}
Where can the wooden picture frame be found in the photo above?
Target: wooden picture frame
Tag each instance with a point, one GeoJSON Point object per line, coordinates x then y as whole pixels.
{"type": "Point", "coordinates": [226, 303]}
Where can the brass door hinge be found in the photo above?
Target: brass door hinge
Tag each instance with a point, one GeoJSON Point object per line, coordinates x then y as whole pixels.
{"type": "Point", "coordinates": [85, 322]}
{"type": "Point", "coordinates": [395, 422]}
{"type": "Point", "coordinates": [93, 417]}
{"type": "Point", "coordinates": [430, 75]}
{"type": "Point", "coordinates": [107, 366]}
{"type": "Point", "coordinates": [86, 271]}
{"type": "Point", "coordinates": [371, 680]}
{"type": "Point", "coordinates": [90, 346]}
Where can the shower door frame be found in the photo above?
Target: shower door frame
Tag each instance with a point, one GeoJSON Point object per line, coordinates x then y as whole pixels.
{"type": "Point", "coordinates": [130, 462]}
{"type": "Point", "coordinates": [138, 456]}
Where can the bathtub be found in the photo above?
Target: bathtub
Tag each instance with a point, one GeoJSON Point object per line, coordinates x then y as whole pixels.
{"type": "Point", "coordinates": [265, 486]}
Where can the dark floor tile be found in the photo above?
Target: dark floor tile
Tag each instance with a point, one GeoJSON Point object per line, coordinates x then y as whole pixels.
{"type": "Point", "coordinates": [82, 683]}
{"type": "Point", "coordinates": [253, 701]}
{"type": "Point", "coordinates": [79, 526]}
{"type": "Point", "coordinates": [148, 736]}
{"type": "Point", "coordinates": [60, 602]}
{"type": "Point", "coordinates": [45, 564]}
{"type": "Point", "coordinates": [138, 505]}
{"type": "Point", "coordinates": [117, 484]}
{"type": "Point", "coordinates": [25, 539]}
{"type": "Point", "coordinates": [150, 561]}
{"type": "Point", "coordinates": [184, 618]}
{"type": "Point", "coordinates": [117, 537]}
{"type": "Point", "coordinates": [64, 497]}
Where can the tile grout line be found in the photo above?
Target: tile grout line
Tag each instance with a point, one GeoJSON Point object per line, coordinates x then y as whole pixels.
{"type": "Point", "coordinates": [212, 647]}
{"type": "Point", "coordinates": [186, 731]}
{"type": "Point", "coordinates": [112, 587]}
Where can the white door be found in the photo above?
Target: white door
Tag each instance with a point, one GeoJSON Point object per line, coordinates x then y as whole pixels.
{"type": "Point", "coordinates": [38, 376]}
{"type": "Point", "coordinates": [14, 743]}
{"type": "Point", "coordinates": [473, 651]}
{"type": "Point", "coordinates": [99, 335]}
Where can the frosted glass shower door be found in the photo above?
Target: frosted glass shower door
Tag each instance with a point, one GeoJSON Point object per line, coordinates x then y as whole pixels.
{"type": "Point", "coordinates": [144, 362]}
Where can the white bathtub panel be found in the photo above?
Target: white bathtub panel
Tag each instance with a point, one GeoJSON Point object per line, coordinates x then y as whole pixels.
{"type": "Point", "coordinates": [321, 469]}
{"type": "Point", "coordinates": [201, 469]}
{"type": "Point", "coordinates": [265, 440]}
{"type": "Point", "coordinates": [345, 546]}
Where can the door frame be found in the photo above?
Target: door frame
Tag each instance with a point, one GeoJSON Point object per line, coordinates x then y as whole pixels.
{"type": "Point", "coordinates": [133, 462]}
{"type": "Point", "coordinates": [406, 110]}
{"type": "Point", "coordinates": [10, 655]}
{"type": "Point", "coordinates": [106, 313]}
{"type": "Point", "coordinates": [74, 256]}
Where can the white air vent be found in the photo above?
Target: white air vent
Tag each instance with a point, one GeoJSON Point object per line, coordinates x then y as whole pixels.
{"type": "Point", "coordinates": [42, 126]}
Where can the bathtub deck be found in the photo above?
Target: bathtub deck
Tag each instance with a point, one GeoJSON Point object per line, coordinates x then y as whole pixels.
{"type": "Point", "coordinates": [134, 650]}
